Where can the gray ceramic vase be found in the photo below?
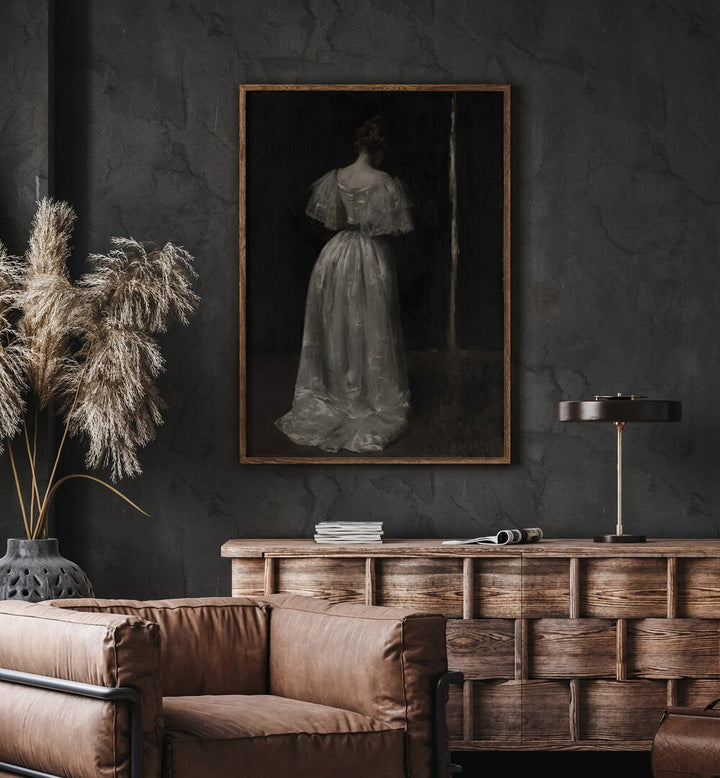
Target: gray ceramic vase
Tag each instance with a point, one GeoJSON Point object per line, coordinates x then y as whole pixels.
{"type": "Point", "coordinates": [34, 570]}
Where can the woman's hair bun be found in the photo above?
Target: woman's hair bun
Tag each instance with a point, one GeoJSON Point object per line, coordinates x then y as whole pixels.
{"type": "Point", "coordinates": [371, 135]}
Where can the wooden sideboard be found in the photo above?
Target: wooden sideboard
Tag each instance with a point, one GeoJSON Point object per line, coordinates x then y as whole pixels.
{"type": "Point", "coordinates": [565, 644]}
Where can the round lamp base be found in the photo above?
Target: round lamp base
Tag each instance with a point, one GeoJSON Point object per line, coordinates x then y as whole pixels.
{"type": "Point", "coordinates": [619, 538]}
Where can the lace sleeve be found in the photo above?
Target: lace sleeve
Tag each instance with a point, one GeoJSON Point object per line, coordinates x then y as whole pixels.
{"type": "Point", "coordinates": [325, 204]}
{"type": "Point", "coordinates": [389, 210]}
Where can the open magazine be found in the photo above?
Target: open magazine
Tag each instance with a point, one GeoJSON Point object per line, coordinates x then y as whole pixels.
{"type": "Point", "coordinates": [503, 538]}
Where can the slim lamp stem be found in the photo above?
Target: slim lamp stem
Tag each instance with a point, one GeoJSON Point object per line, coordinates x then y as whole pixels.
{"type": "Point", "coordinates": [619, 425]}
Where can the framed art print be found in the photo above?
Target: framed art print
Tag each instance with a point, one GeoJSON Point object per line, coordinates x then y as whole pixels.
{"type": "Point", "coordinates": [375, 273]}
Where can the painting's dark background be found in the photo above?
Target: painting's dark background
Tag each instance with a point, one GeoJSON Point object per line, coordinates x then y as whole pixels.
{"type": "Point", "coordinates": [292, 138]}
{"type": "Point", "coordinates": [480, 198]}
{"type": "Point", "coordinates": [616, 232]}
{"type": "Point", "coordinates": [295, 137]}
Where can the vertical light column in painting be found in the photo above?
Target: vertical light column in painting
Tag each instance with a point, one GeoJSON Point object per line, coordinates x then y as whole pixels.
{"type": "Point", "coordinates": [351, 390]}
{"type": "Point", "coordinates": [454, 245]}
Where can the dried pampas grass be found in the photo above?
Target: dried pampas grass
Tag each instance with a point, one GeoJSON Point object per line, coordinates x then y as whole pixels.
{"type": "Point", "coordinates": [87, 346]}
{"type": "Point", "coordinates": [14, 359]}
{"type": "Point", "coordinates": [134, 290]}
{"type": "Point", "coordinates": [117, 406]}
{"type": "Point", "coordinates": [141, 290]}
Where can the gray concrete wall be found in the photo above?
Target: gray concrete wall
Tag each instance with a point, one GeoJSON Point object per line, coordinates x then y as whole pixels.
{"type": "Point", "coordinates": [24, 116]}
{"type": "Point", "coordinates": [614, 256]}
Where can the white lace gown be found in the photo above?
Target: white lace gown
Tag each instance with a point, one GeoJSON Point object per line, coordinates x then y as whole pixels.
{"type": "Point", "coordinates": [351, 390]}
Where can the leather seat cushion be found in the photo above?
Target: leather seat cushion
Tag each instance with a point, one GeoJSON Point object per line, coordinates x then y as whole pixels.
{"type": "Point", "coordinates": [259, 735]}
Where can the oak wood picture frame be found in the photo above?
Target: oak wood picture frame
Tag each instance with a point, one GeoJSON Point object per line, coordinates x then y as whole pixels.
{"type": "Point", "coordinates": [450, 144]}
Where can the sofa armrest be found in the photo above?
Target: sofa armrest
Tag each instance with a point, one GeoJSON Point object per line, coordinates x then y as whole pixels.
{"type": "Point", "coordinates": [113, 694]}
{"type": "Point", "coordinates": [45, 729]}
{"type": "Point", "coordinates": [378, 661]}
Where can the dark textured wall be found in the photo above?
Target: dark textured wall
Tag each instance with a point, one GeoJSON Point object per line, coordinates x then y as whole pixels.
{"type": "Point", "coordinates": [615, 255]}
{"type": "Point", "coordinates": [24, 116]}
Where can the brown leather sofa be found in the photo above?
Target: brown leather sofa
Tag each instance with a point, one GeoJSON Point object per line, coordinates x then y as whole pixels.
{"type": "Point", "coordinates": [274, 687]}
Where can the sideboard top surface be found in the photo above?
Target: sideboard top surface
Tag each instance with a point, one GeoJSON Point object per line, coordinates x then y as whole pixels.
{"type": "Point", "coordinates": [412, 547]}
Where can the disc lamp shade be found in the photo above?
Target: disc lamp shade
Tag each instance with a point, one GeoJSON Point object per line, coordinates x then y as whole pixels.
{"type": "Point", "coordinates": [620, 409]}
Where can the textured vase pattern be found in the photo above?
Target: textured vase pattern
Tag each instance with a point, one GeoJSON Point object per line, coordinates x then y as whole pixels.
{"type": "Point", "coordinates": [34, 570]}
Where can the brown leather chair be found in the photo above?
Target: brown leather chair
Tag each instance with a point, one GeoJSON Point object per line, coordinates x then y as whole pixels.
{"type": "Point", "coordinates": [274, 687]}
{"type": "Point", "coordinates": [686, 743]}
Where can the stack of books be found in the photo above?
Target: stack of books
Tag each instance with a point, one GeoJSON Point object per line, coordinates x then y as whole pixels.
{"type": "Point", "coordinates": [349, 532]}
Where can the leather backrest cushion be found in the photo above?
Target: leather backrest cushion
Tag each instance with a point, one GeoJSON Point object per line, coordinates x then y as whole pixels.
{"type": "Point", "coordinates": [208, 645]}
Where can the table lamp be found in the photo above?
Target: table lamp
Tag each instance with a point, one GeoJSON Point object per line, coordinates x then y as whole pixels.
{"type": "Point", "coordinates": [620, 409]}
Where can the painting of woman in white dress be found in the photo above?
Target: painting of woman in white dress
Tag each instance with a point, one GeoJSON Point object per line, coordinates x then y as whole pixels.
{"type": "Point", "coordinates": [374, 294]}
{"type": "Point", "coordinates": [351, 390]}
